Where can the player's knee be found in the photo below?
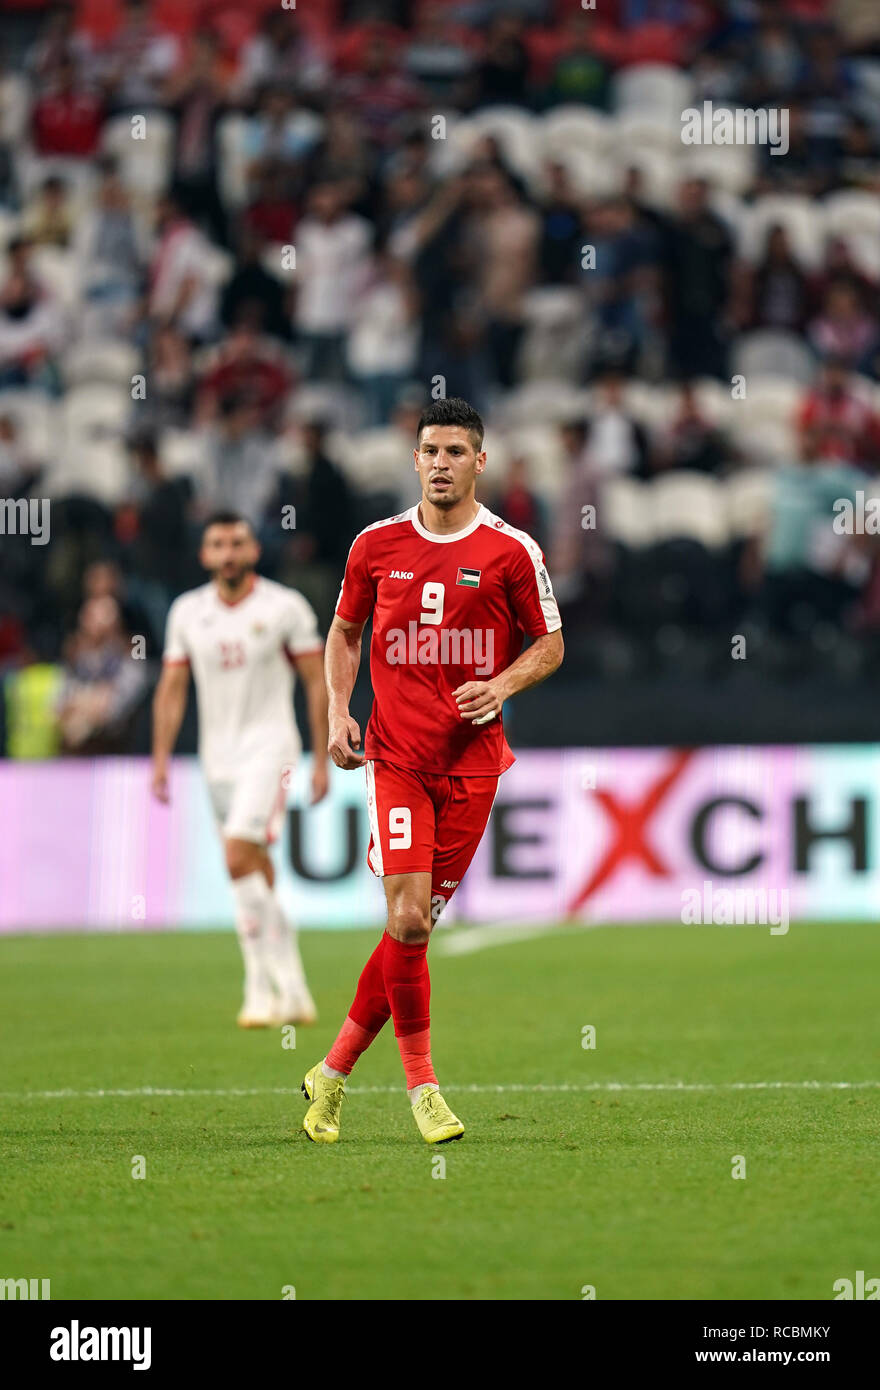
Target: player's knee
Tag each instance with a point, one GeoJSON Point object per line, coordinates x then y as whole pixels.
{"type": "Point", "coordinates": [242, 858]}
{"type": "Point", "coordinates": [409, 923]}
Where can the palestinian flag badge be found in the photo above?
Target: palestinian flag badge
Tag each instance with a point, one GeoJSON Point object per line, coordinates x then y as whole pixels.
{"type": "Point", "coordinates": [470, 579]}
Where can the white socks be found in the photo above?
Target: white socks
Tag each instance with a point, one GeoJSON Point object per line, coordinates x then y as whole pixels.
{"type": "Point", "coordinates": [329, 1071]}
{"type": "Point", "coordinates": [283, 960]}
{"type": "Point", "coordinates": [268, 947]}
{"type": "Point", "coordinates": [252, 900]}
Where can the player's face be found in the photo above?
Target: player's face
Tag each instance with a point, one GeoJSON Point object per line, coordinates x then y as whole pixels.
{"type": "Point", "coordinates": [229, 553]}
{"type": "Point", "coordinates": [447, 464]}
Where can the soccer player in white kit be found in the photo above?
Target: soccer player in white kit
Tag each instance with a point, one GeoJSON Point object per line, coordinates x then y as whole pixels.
{"type": "Point", "coordinates": [242, 637]}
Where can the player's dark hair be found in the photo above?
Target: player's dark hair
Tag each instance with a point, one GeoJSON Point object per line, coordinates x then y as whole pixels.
{"type": "Point", "coordinates": [226, 518]}
{"type": "Point", "coordinates": [453, 411]}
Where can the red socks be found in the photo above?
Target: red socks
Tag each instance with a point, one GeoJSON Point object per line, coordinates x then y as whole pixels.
{"type": "Point", "coordinates": [395, 982]}
{"type": "Point", "coordinates": [367, 1016]}
{"type": "Point", "coordinates": [408, 989]}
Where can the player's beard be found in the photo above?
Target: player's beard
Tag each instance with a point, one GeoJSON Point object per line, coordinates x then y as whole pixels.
{"type": "Point", "coordinates": [445, 498]}
{"type": "Point", "coordinates": [231, 577]}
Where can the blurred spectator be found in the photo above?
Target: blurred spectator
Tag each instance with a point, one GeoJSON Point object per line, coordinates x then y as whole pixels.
{"type": "Point", "coordinates": [616, 442]}
{"type": "Point", "coordinates": [139, 60]}
{"type": "Point", "coordinates": [623, 281]}
{"type": "Point", "coordinates": [282, 54]}
{"type": "Point", "coordinates": [518, 502]}
{"type": "Point", "coordinates": [383, 343]}
{"type": "Point", "coordinates": [67, 116]}
{"type": "Point", "coordinates": [698, 260]}
{"type": "Point", "coordinates": [690, 440]}
{"type": "Point", "coordinates": [155, 534]}
{"type": "Point", "coordinates": [111, 255]}
{"type": "Point", "coordinates": [170, 400]}
{"type": "Point", "coordinates": [252, 290]}
{"type": "Point", "coordinates": [502, 76]}
{"type": "Point", "coordinates": [379, 94]}
{"type": "Point", "coordinates": [580, 74]}
{"type": "Point", "coordinates": [49, 218]}
{"type": "Point", "coordinates": [195, 95]}
{"type": "Point", "coordinates": [248, 366]}
{"type": "Point", "coordinates": [279, 137]}
{"type": "Point", "coordinates": [183, 282]}
{"type": "Point", "coordinates": [102, 684]}
{"type": "Point", "coordinates": [777, 293]}
{"type": "Point", "coordinates": [313, 557]}
{"type": "Point", "coordinates": [332, 261]}
{"type": "Point", "coordinates": [843, 329]}
{"type": "Point", "coordinates": [836, 422]}
{"type": "Point", "coordinates": [506, 236]}
{"type": "Point", "coordinates": [60, 41]}
{"type": "Point", "coordinates": [18, 471]}
{"type": "Point", "coordinates": [240, 474]}
{"type": "Point", "coordinates": [31, 324]}
{"type": "Point", "coordinates": [561, 234]}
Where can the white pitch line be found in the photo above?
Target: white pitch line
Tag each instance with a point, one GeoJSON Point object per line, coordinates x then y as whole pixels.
{"type": "Point", "coordinates": [465, 941]}
{"type": "Point", "coordinates": [146, 1092]}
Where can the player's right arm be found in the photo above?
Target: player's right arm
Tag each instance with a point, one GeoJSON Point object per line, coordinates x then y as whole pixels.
{"type": "Point", "coordinates": [342, 657]}
{"type": "Point", "coordinates": [169, 701]}
{"type": "Point", "coordinates": [342, 653]}
{"type": "Point", "coordinates": [169, 707]}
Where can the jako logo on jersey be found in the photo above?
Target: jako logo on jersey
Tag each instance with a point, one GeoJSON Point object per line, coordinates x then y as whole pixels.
{"type": "Point", "coordinates": [450, 883]}
{"type": "Point", "coordinates": [469, 578]}
{"type": "Point", "coordinates": [400, 574]}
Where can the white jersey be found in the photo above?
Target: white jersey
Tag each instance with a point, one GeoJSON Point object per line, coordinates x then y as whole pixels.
{"type": "Point", "coordinates": [241, 656]}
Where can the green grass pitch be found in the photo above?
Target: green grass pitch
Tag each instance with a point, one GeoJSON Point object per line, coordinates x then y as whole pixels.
{"type": "Point", "coordinates": [628, 1191]}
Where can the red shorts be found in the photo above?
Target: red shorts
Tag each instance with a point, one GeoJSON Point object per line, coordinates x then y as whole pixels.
{"type": "Point", "coordinates": [426, 823]}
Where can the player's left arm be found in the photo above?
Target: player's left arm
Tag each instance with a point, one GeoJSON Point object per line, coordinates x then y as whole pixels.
{"type": "Point", "coordinates": [310, 670]}
{"type": "Point", "coordinates": [483, 699]}
{"type": "Point", "coordinates": [531, 598]}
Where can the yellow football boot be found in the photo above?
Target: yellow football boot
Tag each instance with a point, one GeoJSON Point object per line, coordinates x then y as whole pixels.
{"type": "Point", "coordinates": [435, 1120]}
{"type": "Point", "coordinates": [326, 1093]}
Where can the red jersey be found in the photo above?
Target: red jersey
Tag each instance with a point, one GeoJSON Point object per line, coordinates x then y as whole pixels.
{"type": "Point", "coordinates": [446, 610]}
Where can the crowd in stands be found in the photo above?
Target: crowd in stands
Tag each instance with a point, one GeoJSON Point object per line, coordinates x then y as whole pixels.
{"type": "Point", "coordinates": [242, 245]}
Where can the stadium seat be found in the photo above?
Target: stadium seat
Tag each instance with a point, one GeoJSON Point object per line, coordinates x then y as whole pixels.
{"type": "Point", "coordinates": [654, 89]}
{"type": "Point", "coordinates": [182, 452]}
{"type": "Point", "coordinates": [516, 132]}
{"type": "Point", "coordinates": [854, 217]}
{"type": "Point", "coordinates": [93, 412]}
{"type": "Point", "coordinates": [730, 168]}
{"type": "Point", "coordinates": [233, 160]}
{"type": "Point", "coordinates": [557, 328]}
{"type": "Point", "coordinates": [768, 353]}
{"type": "Point", "coordinates": [797, 214]}
{"type": "Point", "coordinates": [749, 493]}
{"type": "Point", "coordinates": [59, 270]}
{"type": "Point", "coordinates": [541, 447]}
{"type": "Point", "coordinates": [543, 402]}
{"type": "Point", "coordinates": [145, 165]}
{"type": "Point", "coordinates": [99, 468]}
{"type": "Point", "coordinates": [625, 512]}
{"type": "Point", "coordinates": [689, 506]}
{"type": "Point", "coordinates": [574, 129]}
{"type": "Point", "coordinates": [101, 359]}
{"type": "Point", "coordinates": [35, 416]}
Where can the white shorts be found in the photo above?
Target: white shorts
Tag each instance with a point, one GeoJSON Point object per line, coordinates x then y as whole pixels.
{"type": "Point", "coordinates": [251, 806]}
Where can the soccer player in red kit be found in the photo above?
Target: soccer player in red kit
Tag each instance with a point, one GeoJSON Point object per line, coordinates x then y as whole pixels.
{"type": "Point", "coordinates": [453, 591]}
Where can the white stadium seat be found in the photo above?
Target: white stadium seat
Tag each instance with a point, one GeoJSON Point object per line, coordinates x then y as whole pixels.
{"type": "Point", "coordinates": [36, 419]}
{"type": "Point", "coordinates": [769, 353]}
{"type": "Point", "coordinates": [101, 359]}
{"type": "Point", "coordinates": [624, 512]}
{"type": "Point", "coordinates": [854, 217]}
{"type": "Point", "coordinates": [144, 164]}
{"type": "Point", "coordinates": [749, 494]}
{"type": "Point", "coordinates": [797, 214]}
{"type": "Point", "coordinates": [689, 506]}
{"type": "Point", "coordinates": [653, 88]}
